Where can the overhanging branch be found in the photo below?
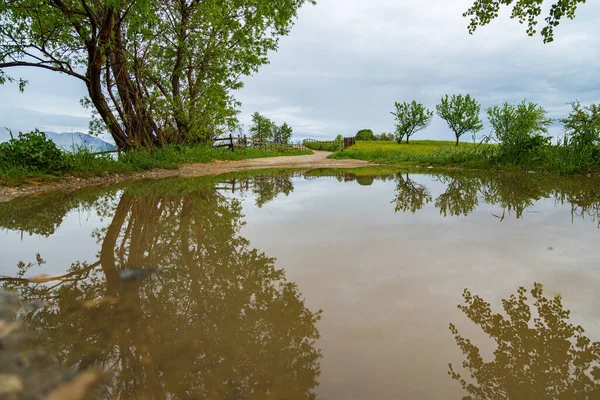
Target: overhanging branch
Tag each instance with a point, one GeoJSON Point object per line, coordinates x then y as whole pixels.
{"type": "Point", "coordinates": [44, 66]}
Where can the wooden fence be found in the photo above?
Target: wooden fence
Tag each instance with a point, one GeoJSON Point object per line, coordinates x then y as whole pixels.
{"type": "Point", "coordinates": [348, 141]}
{"type": "Point", "coordinates": [233, 142]}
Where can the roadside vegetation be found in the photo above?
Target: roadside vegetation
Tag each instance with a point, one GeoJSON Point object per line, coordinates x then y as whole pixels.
{"type": "Point", "coordinates": [33, 156]}
{"type": "Point", "coordinates": [518, 139]}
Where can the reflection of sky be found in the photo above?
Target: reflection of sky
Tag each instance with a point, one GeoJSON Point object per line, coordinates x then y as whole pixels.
{"type": "Point", "coordinates": [71, 242]}
{"type": "Point", "coordinates": [389, 282]}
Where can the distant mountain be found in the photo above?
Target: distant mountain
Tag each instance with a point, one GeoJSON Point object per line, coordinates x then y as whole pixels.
{"type": "Point", "coordinates": [77, 140]}
{"type": "Point", "coordinates": [73, 141]}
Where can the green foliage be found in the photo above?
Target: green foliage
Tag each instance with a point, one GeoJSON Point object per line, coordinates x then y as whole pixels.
{"type": "Point", "coordinates": [520, 130]}
{"type": "Point", "coordinates": [84, 163]}
{"type": "Point", "coordinates": [262, 128]}
{"type": "Point", "coordinates": [482, 12]}
{"type": "Point", "coordinates": [419, 152]}
{"type": "Point", "coordinates": [384, 136]}
{"type": "Point", "coordinates": [364, 134]}
{"type": "Point", "coordinates": [583, 125]}
{"type": "Point", "coordinates": [339, 138]}
{"type": "Point", "coordinates": [461, 113]}
{"type": "Point", "coordinates": [410, 118]}
{"type": "Point", "coordinates": [33, 152]}
{"type": "Point", "coordinates": [561, 158]}
{"type": "Point", "coordinates": [265, 130]}
{"type": "Point", "coordinates": [539, 353]}
{"type": "Point", "coordinates": [157, 72]}
{"type": "Point", "coordinates": [283, 134]}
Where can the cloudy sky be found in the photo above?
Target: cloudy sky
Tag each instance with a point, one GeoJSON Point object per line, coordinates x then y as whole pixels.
{"type": "Point", "coordinates": [347, 61]}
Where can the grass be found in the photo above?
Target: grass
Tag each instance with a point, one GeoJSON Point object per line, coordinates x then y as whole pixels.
{"type": "Point", "coordinates": [557, 158]}
{"type": "Point", "coordinates": [417, 152]}
{"type": "Point", "coordinates": [86, 164]}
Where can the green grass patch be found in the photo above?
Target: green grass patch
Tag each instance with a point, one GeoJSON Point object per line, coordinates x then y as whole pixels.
{"type": "Point", "coordinates": [558, 159]}
{"type": "Point", "coordinates": [84, 163]}
{"type": "Point", "coordinates": [417, 152]}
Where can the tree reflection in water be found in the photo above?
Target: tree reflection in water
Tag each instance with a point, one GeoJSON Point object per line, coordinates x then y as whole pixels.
{"type": "Point", "coordinates": [539, 354]}
{"type": "Point", "coordinates": [218, 321]}
{"type": "Point", "coordinates": [460, 196]}
{"type": "Point", "coordinates": [513, 193]}
{"type": "Point", "coordinates": [410, 195]}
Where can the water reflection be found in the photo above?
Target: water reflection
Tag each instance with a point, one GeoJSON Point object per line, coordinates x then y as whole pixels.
{"type": "Point", "coordinates": [539, 353]}
{"type": "Point", "coordinates": [461, 195]}
{"type": "Point", "coordinates": [218, 320]}
{"type": "Point", "coordinates": [410, 195]}
{"type": "Point", "coordinates": [513, 193]}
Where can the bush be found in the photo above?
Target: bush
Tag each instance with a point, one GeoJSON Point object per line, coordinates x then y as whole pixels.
{"type": "Point", "coordinates": [583, 125]}
{"type": "Point", "coordinates": [520, 130]}
{"type": "Point", "coordinates": [384, 136]}
{"type": "Point", "coordinates": [33, 151]}
{"type": "Point", "coordinates": [365, 134]}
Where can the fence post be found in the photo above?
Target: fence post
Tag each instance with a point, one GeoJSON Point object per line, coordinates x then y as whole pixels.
{"type": "Point", "coordinates": [231, 142]}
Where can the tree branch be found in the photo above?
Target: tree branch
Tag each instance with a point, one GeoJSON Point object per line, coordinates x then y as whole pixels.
{"type": "Point", "coordinates": [44, 66]}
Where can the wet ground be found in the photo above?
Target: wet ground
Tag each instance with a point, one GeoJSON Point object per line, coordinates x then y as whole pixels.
{"type": "Point", "coordinates": [71, 183]}
{"type": "Point", "coordinates": [324, 284]}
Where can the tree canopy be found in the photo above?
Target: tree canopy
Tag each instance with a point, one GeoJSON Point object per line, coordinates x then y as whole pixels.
{"type": "Point", "coordinates": [410, 118]}
{"type": "Point", "coordinates": [156, 72]}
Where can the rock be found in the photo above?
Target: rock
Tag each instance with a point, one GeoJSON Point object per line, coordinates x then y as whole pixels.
{"type": "Point", "coordinates": [78, 388]}
{"type": "Point", "coordinates": [10, 384]}
{"type": "Point", "coordinates": [133, 274]}
{"type": "Point", "coordinates": [27, 370]}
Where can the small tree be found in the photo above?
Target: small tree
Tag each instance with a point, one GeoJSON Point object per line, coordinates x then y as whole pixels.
{"type": "Point", "coordinates": [410, 119]}
{"type": "Point", "coordinates": [283, 134]}
{"type": "Point", "coordinates": [520, 129]}
{"type": "Point", "coordinates": [583, 125]}
{"type": "Point", "coordinates": [365, 134]}
{"type": "Point", "coordinates": [262, 128]}
{"type": "Point", "coordinates": [461, 113]}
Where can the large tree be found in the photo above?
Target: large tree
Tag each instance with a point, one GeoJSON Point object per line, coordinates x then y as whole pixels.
{"type": "Point", "coordinates": [482, 12]}
{"type": "Point", "coordinates": [156, 72]}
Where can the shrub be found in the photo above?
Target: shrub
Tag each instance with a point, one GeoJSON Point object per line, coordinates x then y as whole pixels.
{"type": "Point", "coordinates": [33, 151]}
{"type": "Point", "coordinates": [384, 136]}
{"type": "Point", "coordinates": [410, 119]}
{"type": "Point", "coordinates": [583, 125]}
{"type": "Point", "coordinates": [461, 113]}
{"type": "Point", "coordinates": [365, 134]}
{"type": "Point", "coordinates": [520, 130]}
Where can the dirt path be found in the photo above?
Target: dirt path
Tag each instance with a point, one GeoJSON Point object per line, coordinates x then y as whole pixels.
{"type": "Point", "coordinates": [317, 160]}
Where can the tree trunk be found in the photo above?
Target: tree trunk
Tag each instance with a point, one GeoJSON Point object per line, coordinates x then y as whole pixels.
{"type": "Point", "coordinates": [138, 124]}
{"type": "Point", "coordinates": [457, 140]}
{"type": "Point", "coordinates": [94, 85]}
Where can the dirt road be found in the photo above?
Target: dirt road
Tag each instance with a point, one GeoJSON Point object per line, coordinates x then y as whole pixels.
{"type": "Point", "coordinates": [317, 160]}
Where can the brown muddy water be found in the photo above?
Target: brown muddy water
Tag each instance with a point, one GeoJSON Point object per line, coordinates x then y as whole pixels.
{"type": "Point", "coordinates": [318, 284]}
